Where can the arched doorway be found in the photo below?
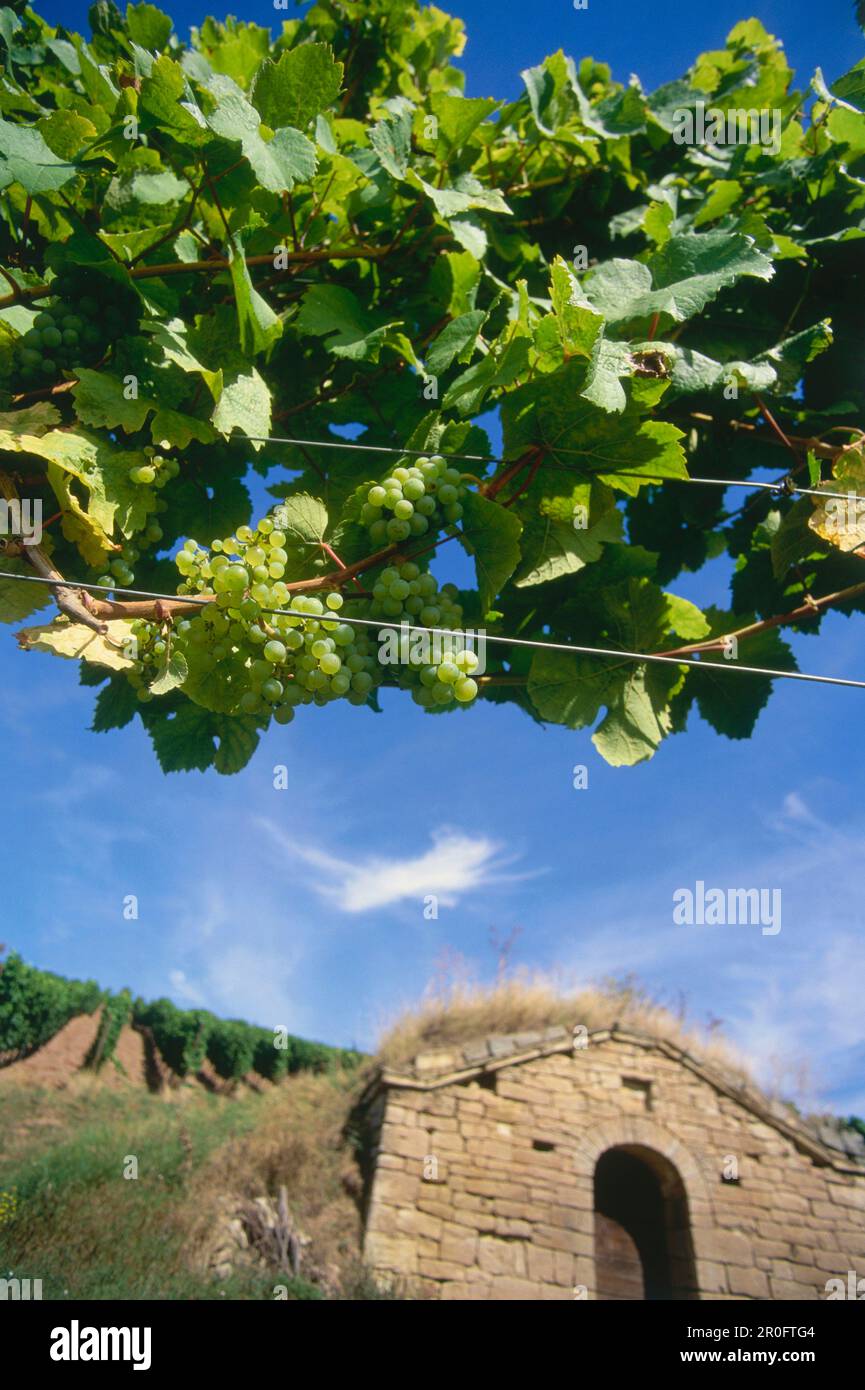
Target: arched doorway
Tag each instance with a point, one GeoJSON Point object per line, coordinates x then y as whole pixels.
{"type": "Point", "coordinates": [643, 1247]}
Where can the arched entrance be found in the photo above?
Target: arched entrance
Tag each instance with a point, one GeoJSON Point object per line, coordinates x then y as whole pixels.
{"type": "Point", "coordinates": [643, 1247]}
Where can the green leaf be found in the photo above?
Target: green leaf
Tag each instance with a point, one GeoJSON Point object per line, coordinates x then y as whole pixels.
{"type": "Point", "coordinates": [680, 279]}
{"type": "Point", "coordinates": [260, 327]}
{"type": "Point", "coordinates": [851, 87]}
{"type": "Point", "coordinates": [458, 118]}
{"type": "Point", "coordinates": [456, 342]}
{"type": "Point", "coordinates": [235, 48]}
{"type": "Point", "coordinates": [172, 674]}
{"type": "Point", "coordinates": [306, 81]}
{"type": "Point", "coordinates": [611, 361]}
{"type": "Point", "coordinates": [619, 449]}
{"type": "Point", "coordinates": [491, 534]}
{"type": "Point", "coordinates": [36, 419]}
{"type": "Point", "coordinates": [391, 140]}
{"type": "Point", "coordinates": [245, 406]}
{"type": "Point", "coordinates": [303, 519]}
{"type": "Point", "coordinates": [66, 133]}
{"type": "Point", "coordinates": [171, 430]}
{"type": "Point", "coordinates": [171, 340]}
{"type": "Point", "coordinates": [141, 189]}
{"type": "Point", "coordinates": [467, 193]}
{"type": "Point", "coordinates": [165, 98]}
{"type": "Point", "coordinates": [25, 158]}
{"type": "Point", "coordinates": [793, 540]}
{"type": "Point", "coordinates": [638, 719]}
{"type": "Point", "coordinates": [103, 470]}
{"type": "Point", "coordinates": [693, 372]}
{"type": "Point", "coordinates": [17, 600]}
{"type": "Point", "coordinates": [147, 25]}
{"type": "Point", "coordinates": [552, 549]}
{"type": "Point", "coordinates": [237, 740]}
{"type": "Point", "coordinates": [116, 706]}
{"type": "Point", "coordinates": [335, 313]}
{"type": "Point", "coordinates": [732, 703]}
{"type": "Point", "coordinates": [790, 358]}
{"type": "Point", "coordinates": [571, 690]}
{"type": "Point", "coordinates": [183, 739]}
{"type": "Point", "coordinates": [724, 194]}
{"type": "Point", "coordinates": [579, 326]}
{"type": "Point", "coordinates": [279, 163]}
{"type": "Point", "coordinates": [101, 401]}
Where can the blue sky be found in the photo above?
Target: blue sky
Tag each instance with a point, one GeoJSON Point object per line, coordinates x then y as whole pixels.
{"type": "Point", "coordinates": [305, 907]}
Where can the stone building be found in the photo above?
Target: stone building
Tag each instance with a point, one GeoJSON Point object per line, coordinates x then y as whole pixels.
{"type": "Point", "coordinates": [604, 1165]}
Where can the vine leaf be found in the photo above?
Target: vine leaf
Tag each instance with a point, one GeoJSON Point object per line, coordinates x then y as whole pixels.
{"type": "Point", "coordinates": [173, 673]}
{"type": "Point", "coordinates": [26, 159]}
{"type": "Point", "coordinates": [279, 163]}
{"type": "Point", "coordinates": [679, 281]}
{"type": "Point", "coordinates": [293, 91]}
{"type": "Point", "coordinates": [81, 643]}
{"type": "Point", "coordinates": [491, 534]}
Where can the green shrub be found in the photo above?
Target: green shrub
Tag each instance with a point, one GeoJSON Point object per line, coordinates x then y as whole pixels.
{"type": "Point", "coordinates": [231, 1048]}
{"type": "Point", "coordinates": [35, 1005]}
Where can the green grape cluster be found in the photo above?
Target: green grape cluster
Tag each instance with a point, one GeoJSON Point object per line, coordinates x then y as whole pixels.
{"type": "Point", "coordinates": [150, 477]}
{"type": "Point", "coordinates": [439, 666]}
{"type": "Point", "coordinates": [411, 501]}
{"type": "Point", "coordinates": [270, 662]}
{"type": "Point", "coordinates": [74, 328]}
{"type": "Point", "coordinates": [273, 661]}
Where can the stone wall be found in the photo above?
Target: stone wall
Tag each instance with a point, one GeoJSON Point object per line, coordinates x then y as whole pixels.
{"type": "Point", "coordinates": [482, 1175]}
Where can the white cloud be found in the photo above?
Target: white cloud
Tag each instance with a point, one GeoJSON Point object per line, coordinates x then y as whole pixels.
{"type": "Point", "coordinates": [184, 990]}
{"type": "Point", "coordinates": [456, 864]}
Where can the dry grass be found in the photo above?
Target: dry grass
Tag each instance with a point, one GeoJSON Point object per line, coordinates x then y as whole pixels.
{"type": "Point", "coordinates": [296, 1143]}
{"type": "Point", "coordinates": [459, 1010]}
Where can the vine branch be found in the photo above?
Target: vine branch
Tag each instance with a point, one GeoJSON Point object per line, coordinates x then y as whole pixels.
{"type": "Point", "coordinates": [796, 615]}
{"type": "Point", "coordinates": [214, 264]}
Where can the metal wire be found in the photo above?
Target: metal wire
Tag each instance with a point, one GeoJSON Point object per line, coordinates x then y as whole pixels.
{"type": "Point", "coordinates": [783, 486]}
{"type": "Point", "coordinates": [569, 647]}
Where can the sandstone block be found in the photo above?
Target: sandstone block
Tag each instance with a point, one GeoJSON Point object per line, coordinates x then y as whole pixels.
{"type": "Point", "coordinates": [459, 1249]}
{"type": "Point", "coordinates": [396, 1253]}
{"type": "Point", "coordinates": [501, 1257]}
{"type": "Point", "coordinates": [725, 1247]}
{"type": "Point", "coordinates": [785, 1288]}
{"type": "Point", "coordinates": [752, 1283]}
{"type": "Point", "coordinates": [440, 1269]}
{"type": "Point", "coordinates": [396, 1187]}
{"type": "Point", "coordinates": [412, 1222]}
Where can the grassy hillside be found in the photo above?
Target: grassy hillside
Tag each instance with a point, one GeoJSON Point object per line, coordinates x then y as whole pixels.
{"type": "Point", "coordinates": [68, 1215]}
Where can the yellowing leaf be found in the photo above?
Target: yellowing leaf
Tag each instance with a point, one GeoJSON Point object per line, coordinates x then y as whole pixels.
{"type": "Point", "coordinates": [80, 643]}
{"type": "Point", "coordinates": [841, 520]}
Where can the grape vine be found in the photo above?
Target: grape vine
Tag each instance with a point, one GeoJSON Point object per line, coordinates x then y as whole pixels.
{"type": "Point", "coordinates": [224, 256]}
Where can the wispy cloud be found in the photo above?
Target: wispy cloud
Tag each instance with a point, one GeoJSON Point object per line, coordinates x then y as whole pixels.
{"type": "Point", "coordinates": [184, 990]}
{"type": "Point", "coordinates": [456, 864]}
